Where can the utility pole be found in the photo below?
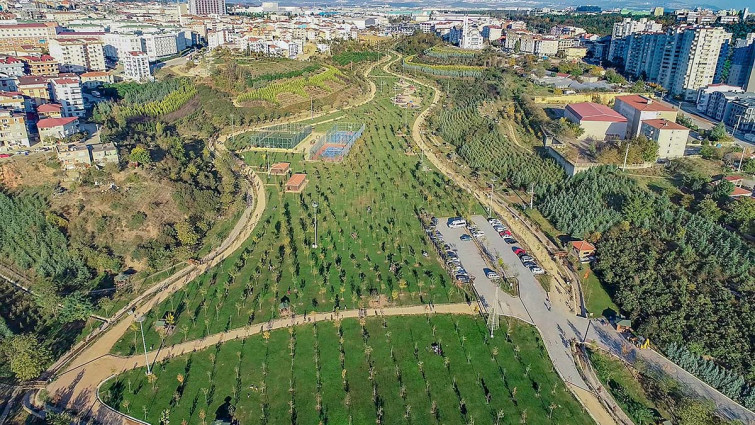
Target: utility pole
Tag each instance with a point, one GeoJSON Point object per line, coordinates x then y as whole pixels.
{"type": "Point", "coordinates": [626, 154]}
{"type": "Point", "coordinates": [493, 319]}
{"type": "Point", "coordinates": [311, 107]}
{"type": "Point", "coordinates": [140, 319]}
{"type": "Point", "coordinates": [314, 205]}
{"type": "Point", "coordinates": [490, 207]}
{"type": "Point", "coordinates": [532, 194]}
{"type": "Point", "coordinates": [233, 132]}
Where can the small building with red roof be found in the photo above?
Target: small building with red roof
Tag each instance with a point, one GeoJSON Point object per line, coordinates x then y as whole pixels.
{"type": "Point", "coordinates": [670, 137]}
{"type": "Point", "coordinates": [296, 183]}
{"type": "Point", "coordinates": [53, 129]}
{"type": "Point", "coordinates": [638, 108]}
{"type": "Point", "coordinates": [50, 110]}
{"type": "Point", "coordinates": [583, 250]}
{"type": "Point", "coordinates": [740, 192]}
{"type": "Point", "coordinates": [280, 169]}
{"type": "Point", "coordinates": [599, 122]}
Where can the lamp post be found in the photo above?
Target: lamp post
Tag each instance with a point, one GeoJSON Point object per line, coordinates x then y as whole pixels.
{"type": "Point", "coordinates": [315, 205]}
{"type": "Point", "coordinates": [140, 319]}
{"type": "Point", "coordinates": [490, 207]}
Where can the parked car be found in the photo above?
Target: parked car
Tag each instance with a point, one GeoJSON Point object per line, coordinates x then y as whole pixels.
{"type": "Point", "coordinates": [465, 237]}
{"type": "Point", "coordinates": [537, 270]}
{"type": "Point", "coordinates": [509, 240]}
{"type": "Point", "coordinates": [455, 222]}
{"type": "Point", "coordinates": [499, 228]}
{"type": "Point", "coordinates": [494, 221]}
{"type": "Point", "coordinates": [518, 251]}
{"type": "Point", "coordinates": [434, 221]}
{"type": "Point", "coordinates": [451, 254]}
{"type": "Point", "coordinates": [490, 274]}
{"type": "Point", "coordinates": [529, 264]}
{"type": "Point", "coordinates": [525, 258]}
{"type": "Point", "coordinates": [462, 278]}
{"type": "Point", "coordinates": [453, 263]}
{"type": "Point", "coordinates": [478, 234]}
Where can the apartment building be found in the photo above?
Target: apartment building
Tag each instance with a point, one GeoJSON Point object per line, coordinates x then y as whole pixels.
{"type": "Point", "coordinates": [136, 66]}
{"type": "Point", "coordinates": [536, 44]}
{"type": "Point", "coordinates": [41, 65]}
{"type": "Point", "coordinates": [14, 101]}
{"type": "Point", "coordinates": [207, 7]}
{"type": "Point", "coordinates": [742, 71]}
{"type": "Point", "coordinates": [621, 32]}
{"type": "Point", "coordinates": [11, 66]}
{"type": "Point", "coordinates": [703, 95]}
{"type": "Point", "coordinates": [67, 92]}
{"type": "Point", "coordinates": [670, 137]}
{"type": "Point", "coordinates": [13, 132]}
{"type": "Point", "coordinates": [642, 54]}
{"type": "Point", "coordinates": [53, 129]}
{"type": "Point", "coordinates": [160, 45]}
{"type": "Point", "coordinates": [95, 79]}
{"type": "Point", "coordinates": [118, 45]}
{"type": "Point", "coordinates": [638, 108]}
{"type": "Point", "coordinates": [35, 88]}
{"type": "Point", "coordinates": [33, 34]}
{"type": "Point", "coordinates": [691, 59]}
{"type": "Point", "coordinates": [78, 55]}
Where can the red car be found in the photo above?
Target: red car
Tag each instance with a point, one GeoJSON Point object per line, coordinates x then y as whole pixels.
{"type": "Point", "coordinates": [519, 251]}
{"type": "Point", "coordinates": [4, 155]}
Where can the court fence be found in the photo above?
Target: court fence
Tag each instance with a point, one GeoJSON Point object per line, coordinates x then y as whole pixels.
{"type": "Point", "coordinates": [335, 144]}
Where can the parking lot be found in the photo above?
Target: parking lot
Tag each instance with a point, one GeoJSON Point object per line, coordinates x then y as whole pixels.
{"type": "Point", "coordinates": [472, 260]}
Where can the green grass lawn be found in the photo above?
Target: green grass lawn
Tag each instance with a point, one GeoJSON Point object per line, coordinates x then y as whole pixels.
{"type": "Point", "coordinates": [370, 240]}
{"type": "Point", "coordinates": [597, 299]}
{"type": "Point", "coordinates": [625, 388]}
{"type": "Point", "coordinates": [374, 371]}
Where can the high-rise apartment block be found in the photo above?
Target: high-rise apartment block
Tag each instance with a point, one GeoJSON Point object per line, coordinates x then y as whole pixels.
{"type": "Point", "coordinates": [622, 30]}
{"type": "Point", "coordinates": [742, 71]}
{"type": "Point", "coordinates": [13, 131]}
{"type": "Point", "coordinates": [67, 92]}
{"type": "Point", "coordinates": [79, 54]}
{"type": "Point", "coordinates": [136, 66]}
{"type": "Point", "coordinates": [207, 7]}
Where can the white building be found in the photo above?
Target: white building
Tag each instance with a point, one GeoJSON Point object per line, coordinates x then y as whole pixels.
{"type": "Point", "coordinates": [471, 37]}
{"type": "Point", "coordinates": [160, 45]}
{"type": "Point", "coordinates": [207, 7]}
{"type": "Point", "coordinates": [625, 28]}
{"type": "Point", "coordinates": [78, 55]}
{"type": "Point", "coordinates": [136, 66]}
{"type": "Point", "coordinates": [13, 132]}
{"type": "Point", "coordinates": [703, 95]}
{"type": "Point", "coordinates": [119, 45]}
{"type": "Point", "coordinates": [670, 137]}
{"type": "Point", "coordinates": [67, 92]}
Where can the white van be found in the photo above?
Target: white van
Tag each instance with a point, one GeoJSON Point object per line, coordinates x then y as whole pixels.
{"type": "Point", "coordinates": [455, 222]}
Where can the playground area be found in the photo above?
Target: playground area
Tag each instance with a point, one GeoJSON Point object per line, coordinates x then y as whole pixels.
{"type": "Point", "coordinates": [406, 95]}
{"type": "Point", "coordinates": [283, 136]}
{"type": "Point", "coordinates": [336, 143]}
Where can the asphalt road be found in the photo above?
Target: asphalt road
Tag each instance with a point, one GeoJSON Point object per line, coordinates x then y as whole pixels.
{"type": "Point", "coordinates": [557, 326]}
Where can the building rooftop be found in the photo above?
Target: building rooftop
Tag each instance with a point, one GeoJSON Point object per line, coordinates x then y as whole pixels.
{"type": "Point", "coordinates": [662, 124]}
{"type": "Point", "coordinates": [643, 103]}
{"type": "Point", "coordinates": [93, 74]}
{"type": "Point", "coordinates": [588, 111]}
{"type": "Point", "coordinates": [583, 246]}
{"type": "Point", "coordinates": [55, 122]}
{"type": "Point", "coordinates": [296, 179]}
{"type": "Point", "coordinates": [49, 107]}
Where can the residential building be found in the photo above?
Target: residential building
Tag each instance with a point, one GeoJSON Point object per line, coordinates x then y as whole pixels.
{"type": "Point", "coordinates": [741, 117]}
{"type": "Point", "coordinates": [207, 7]}
{"type": "Point", "coordinates": [599, 122]}
{"type": "Point", "coordinates": [691, 59]}
{"type": "Point", "coordinates": [50, 110]}
{"type": "Point", "coordinates": [95, 79]}
{"type": "Point", "coordinates": [536, 44]}
{"type": "Point", "coordinates": [742, 71]}
{"type": "Point", "coordinates": [670, 137]}
{"type": "Point", "coordinates": [11, 66]}
{"type": "Point", "coordinates": [54, 129]}
{"type": "Point", "coordinates": [13, 132]}
{"type": "Point", "coordinates": [73, 155]}
{"type": "Point", "coordinates": [32, 34]}
{"type": "Point", "coordinates": [41, 65]}
{"type": "Point", "coordinates": [638, 108]}
{"type": "Point", "coordinates": [642, 54]}
{"type": "Point", "coordinates": [703, 95]}
{"type": "Point", "coordinates": [14, 101]}
{"type": "Point", "coordinates": [471, 38]}
{"type": "Point", "coordinates": [296, 183]}
{"type": "Point", "coordinates": [160, 45]}
{"type": "Point", "coordinates": [67, 92]}
{"type": "Point", "coordinates": [36, 89]}
{"type": "Point", "coordinates": [621, 32]}
{"type": "Point", "coordinates": [104, 153]}
{"type": "Point", "coordinates": [584, 251]}
{"type": "Point", "coordinates": [78, 55]}
{"type": "Point", "coordinates": [118, 45]}
{"type": "Point", "coordinates": [136, 66]}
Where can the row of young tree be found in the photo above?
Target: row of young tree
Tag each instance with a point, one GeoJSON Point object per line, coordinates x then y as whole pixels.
{"type": "Point", "coordinates": [730, 383]}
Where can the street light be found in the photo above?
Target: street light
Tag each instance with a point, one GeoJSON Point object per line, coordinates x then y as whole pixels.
{"type": "Point", "coordinates": [315, 205]}
{"type": "Point", "coordinates": [140, 319]}
{"type": "Point", "coordinates": [490, 207]}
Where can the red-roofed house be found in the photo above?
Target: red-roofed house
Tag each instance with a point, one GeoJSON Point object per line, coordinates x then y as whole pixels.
{"type": "Point", "coordinates": [11, 66]}
{"type": "Point", "coordinates": [95, 79]}
{"type": "Point", "coordinates": [740, 192]}
{"type": "Point", "coordinates": [50, 110]}
{"type": "Point", "coordinates": [598, 121]}
{"type": "Point", "coordinates": [583, 250]}
{"type": "Point", "coordinates": [52, 129]}
{"type": "Point", "coordinates": [296, 183]}
{"type": "Point", "coordinates": [41, 65]}
{"type": "Point", "coordinates": [670, 137]}
{"type": "Point", "coordinates": [640, 108]}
